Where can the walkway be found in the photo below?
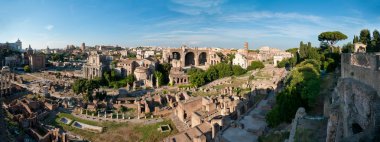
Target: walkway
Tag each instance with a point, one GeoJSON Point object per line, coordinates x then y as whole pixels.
{"type": "Point", "coordinates": [101, 119]}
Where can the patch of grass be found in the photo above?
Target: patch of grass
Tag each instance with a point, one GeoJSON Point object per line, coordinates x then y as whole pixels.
{"type": "Point", "coordinates": [305, 135]}
{"type": "Point", "coordinates": [272, 137]}
{"type": "Point", "coordinates": [151, 133]}
{"type": "Point", "coordinates": [115, 131]}
{"type": "Point", "coordinates": [185, 86]}
{"type": "Point", "coordinates": [108, 126]}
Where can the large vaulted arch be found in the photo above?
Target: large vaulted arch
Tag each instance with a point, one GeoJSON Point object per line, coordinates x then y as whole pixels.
{"type": "Point", "coordinates": [176, 55]}
{"type": "Point", "coordinates": [189, 59]}
{"type": "Point", "coordinates": [202, 59]}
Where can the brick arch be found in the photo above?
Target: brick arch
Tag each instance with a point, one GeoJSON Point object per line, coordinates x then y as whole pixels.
{"type": "Point", "coordinates": [202, 58]}
{"type": "Point", "coordinates": [190, 59]}
{"type": "Point", "coordinates": [176, 55]}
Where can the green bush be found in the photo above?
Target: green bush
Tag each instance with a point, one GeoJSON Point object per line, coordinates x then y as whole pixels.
{"type": "Point", "coordinates": [27, 68]}
{"type": "Point", "coordinates": [301, 90]}
{"type": "Point", "coordinates": [256, 65]}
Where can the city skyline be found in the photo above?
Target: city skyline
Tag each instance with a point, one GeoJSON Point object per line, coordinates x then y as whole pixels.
{"type": "Point", "coordinates": [210, 23]}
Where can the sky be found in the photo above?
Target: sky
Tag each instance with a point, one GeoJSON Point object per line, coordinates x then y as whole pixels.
{"type": "Point", "coordinates": [172, 23]}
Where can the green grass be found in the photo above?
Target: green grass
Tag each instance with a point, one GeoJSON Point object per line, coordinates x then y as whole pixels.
{"type": "Point", "coordinates": [271, 137]}
{"type": "Point", "coordinates": [185, 86]}
{"type": "Point", "coordinates": [115, 131]}
{"type": "Point", "coordinates": [151, 133]}
{"type": "Point", "coordinates": [305, 135]}
{"type": "Point", "coordinates": [87, 134]}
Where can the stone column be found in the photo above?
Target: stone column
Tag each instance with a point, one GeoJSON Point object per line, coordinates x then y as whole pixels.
{"type": "Point", "coordinates": [183, 54]}
{"type": "Point", "coordinates": [196, 59]}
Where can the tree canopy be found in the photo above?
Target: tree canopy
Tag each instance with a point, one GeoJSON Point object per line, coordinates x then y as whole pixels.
{"type": "Point", "coordinates": [301, 90]}
{"type": "Point", "coordinates": [198, 77]}
{"type": "Point", "coordinates": [255, 65]}
{"type": "Point", "coordinates": [331, 37]}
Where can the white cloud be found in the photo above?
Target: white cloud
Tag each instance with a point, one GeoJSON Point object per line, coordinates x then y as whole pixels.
{"type": "Point", "coordinates": [262, 15]}
{"type": "Point", "coordinates": [199, 3]}
{"type": "Point", "coordinates": [49, 27]}
{"type": "Point", "coordinates": [197, 7]}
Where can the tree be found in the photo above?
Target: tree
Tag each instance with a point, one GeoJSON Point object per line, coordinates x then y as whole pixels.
{"type": "Point", "coordinates": [331, 37]}
{"type": "Point", "coordinates": [194, 71]}
{"type": "Point", "coordinates": [114, 75]}
{"type": "Point", "coordinates": [230, 57]}
{"type": "Point", "coordinates": [212, 73]}
{"type": "Point", "coordinates": [376, 41]}
{"type": "Point", "coordinates": [238, 70]}
{"type": "Point", "coordinates": [348, 48]}
{"type": "Point", "coordinates": [165, 70]}
{"type": "Point", "coordinates": [224, 70]}
{"type": "Point", "coordinates": [308, 52]}
{"type": "Point", "coordinates": [365, 36]}
{"type": "Point", "coordinates": [301, 90]}
{"type": "Point", "coordinates": [123, 109]}
{"type": "Point", "coordinates": [84, 85]}
{"type": "Point", "coordinates": [130, 79]}
{"type": "Point", "coordinates": [256, 65]}
{"type": "Point", "coordinates": [198, 79]}
{"type": "Point", "coordinates": [27, 68]}
{"type": "Point", "coordinates": [159, 77]}
{"type": "Point", "coordinates": [101, 95]}
{"type": "Point", "coordinates": [107, 77]}
{"type": "Point", "coordinates": [131, 55]}
{"type": "Point", "coordinates": [355, 40]}
{"type": "Point", "coordinates": [283, 63]}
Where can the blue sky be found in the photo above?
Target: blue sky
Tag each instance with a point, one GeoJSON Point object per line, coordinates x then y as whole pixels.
{"type": "Point", "coordinates": [212, 23]}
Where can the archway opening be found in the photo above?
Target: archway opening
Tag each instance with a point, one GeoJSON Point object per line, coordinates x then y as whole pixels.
{"type": "Point", "coordinates": [176, 55]}
{"type": "Point", "coordinates": [189, 59]}
{"type": "Point", "coordinates": [356, 128]}
{"type": "Point", "coordinates": [202, 58]}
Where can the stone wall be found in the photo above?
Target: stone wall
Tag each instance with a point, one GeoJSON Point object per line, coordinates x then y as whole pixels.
{"type": "Point", "coordinates": [362, 67]}
{"type": "Point", "coordinates": [299, 115]}
{"type": "Point", "coordinates": [354, 110]}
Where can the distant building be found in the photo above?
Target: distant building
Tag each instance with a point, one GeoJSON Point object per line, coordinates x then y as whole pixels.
{"type": "Point", "coordinates": [16, 45]}
{"type": "Point", "coordinates": [94, 66]}
{"type": "Point", "coordinates": [240, 60]}
{"type": "Point", "coordinates": [12, 61]}
{"type": "Point", "coordinates": [277, 59]}
{"type": "Point", "coordinates": [37, 61]}
{"type": "Point", "coordinates": [47, 50]}
{"type": "Point", "coordinates": [83, 46]}
{"type": "Point", "coordinates": [360, 47]}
